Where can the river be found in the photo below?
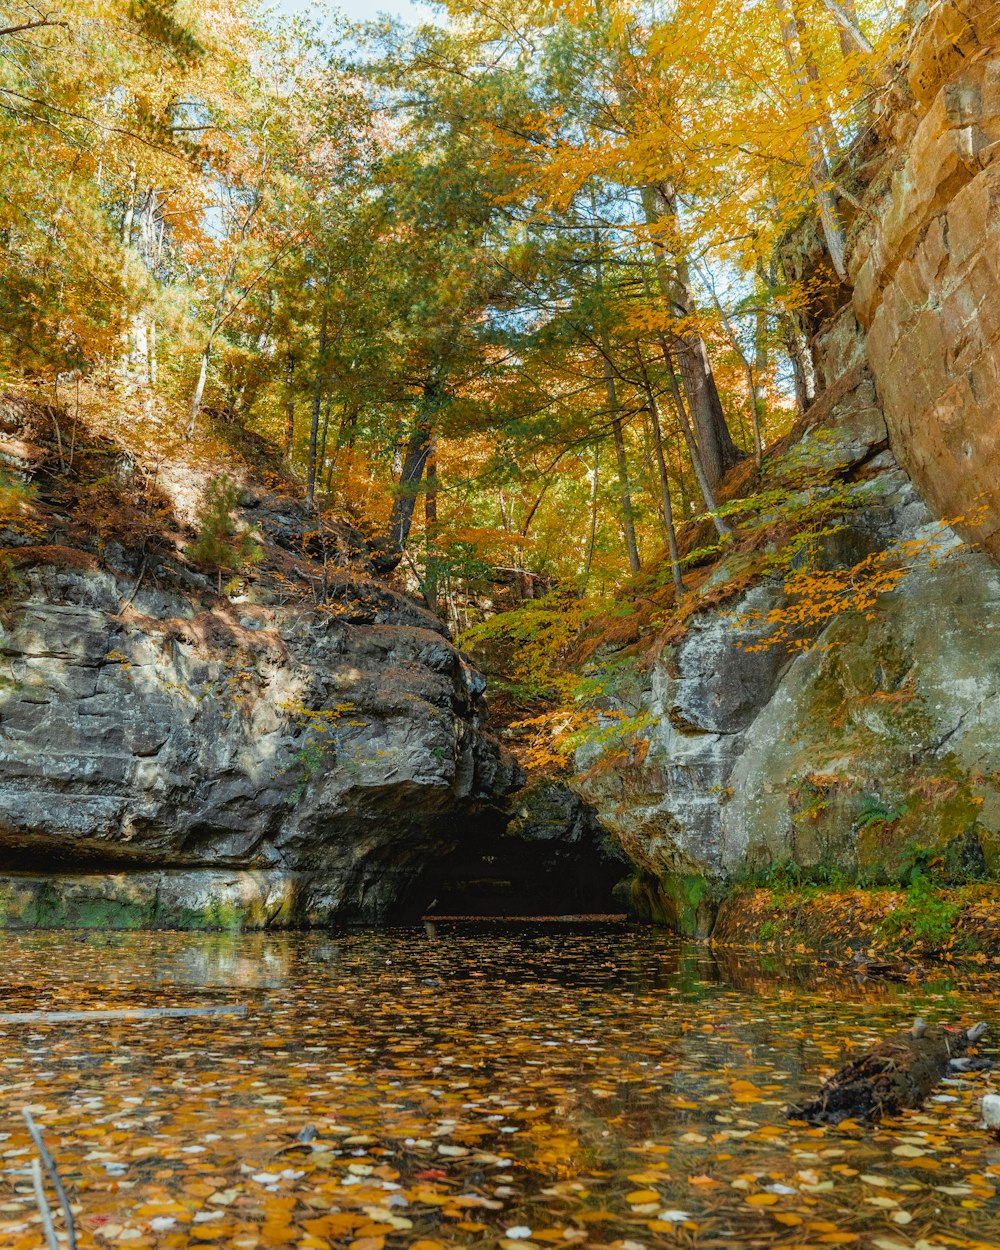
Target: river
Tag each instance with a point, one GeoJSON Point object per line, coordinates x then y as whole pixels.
{"type": "Point", "coordinates": [607, 1087]}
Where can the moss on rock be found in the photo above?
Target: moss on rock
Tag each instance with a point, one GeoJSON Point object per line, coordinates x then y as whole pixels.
{"type": "Point", "coordinates": [684, 902]}
{"type": "Point", "coordinates": [208, 899]}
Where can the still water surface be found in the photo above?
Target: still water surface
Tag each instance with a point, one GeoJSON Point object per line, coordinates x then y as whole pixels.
{"type": "Point", "coordinates": [608, 1088]}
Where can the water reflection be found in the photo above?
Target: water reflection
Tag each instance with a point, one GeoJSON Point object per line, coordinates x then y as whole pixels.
{"type": "Point", "coordinates": [478, 1080]}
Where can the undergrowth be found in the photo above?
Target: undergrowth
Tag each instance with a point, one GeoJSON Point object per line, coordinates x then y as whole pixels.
{"type": "Point", "coordinates": [925, 915]}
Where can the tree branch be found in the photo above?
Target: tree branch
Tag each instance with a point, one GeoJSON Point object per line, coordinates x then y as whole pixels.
{"type": "Point", "coordinates": [45, 21]}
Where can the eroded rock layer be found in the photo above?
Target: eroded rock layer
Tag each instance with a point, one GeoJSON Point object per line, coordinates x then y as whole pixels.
{"type": "Point", "coordinates": [925, 260]}
{"type": "Point", "coordinates": [877, 748]}
{"type": "Point", "coordinates": [303, 750]}
{"type": "Point", "coordinates": [327, 758]}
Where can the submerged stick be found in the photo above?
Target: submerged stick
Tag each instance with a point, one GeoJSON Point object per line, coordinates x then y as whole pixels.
{"type": "Point", "coordinates": [43, 1205]}
{"type": "Point", "coordinates": [125, 1013]}
{"type": "Point", "coordinates": [53, 1171]}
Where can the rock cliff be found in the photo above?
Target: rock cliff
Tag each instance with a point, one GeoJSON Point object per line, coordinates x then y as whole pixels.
{"type": "Point", "coordinates": [878, 745]}
{"type": "Point", "coordinates": [295, 753]}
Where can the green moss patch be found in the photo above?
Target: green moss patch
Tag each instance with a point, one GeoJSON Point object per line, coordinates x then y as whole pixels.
{"type": "Point", "coordinates": [167, 900]}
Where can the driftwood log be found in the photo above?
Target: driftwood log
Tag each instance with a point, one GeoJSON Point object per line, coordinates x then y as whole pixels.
{"type": "Point", "coordinates": [897, 1073]}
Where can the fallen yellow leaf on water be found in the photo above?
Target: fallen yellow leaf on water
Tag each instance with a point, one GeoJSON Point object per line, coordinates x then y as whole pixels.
{"type": "Point", "coordinates": [368, 1243]}
{"type": "Point", "coordinates": [787, 1217]}
{"type": "Point", "coordinates": [923, 1161]}
{"type": "Point", "coordinates": [640, 1196]}
{"type": "Point", "coordinates": [761, 1200]}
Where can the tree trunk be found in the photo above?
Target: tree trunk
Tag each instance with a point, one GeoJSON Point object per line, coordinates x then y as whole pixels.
{"type": "Point", "coordinates": [851, 38]}
{"type": "Point", "coordinates": [805, 386]}
{"type": "Point", "coordinates": [819, 172]}
{"type": "Point", "coordinates": [388, 552]}
{"type": "Point", "coordinates": [625, 491]}
{"type": "Point", "coordinates": [321, 459]}
{"type": "Point", "coordinates": [430, 524]}
{"type": "Point", "coordinates": [199, 390]}
{"type": "Point", "coordinates": [317, 406]}
{"type": "Point", "coordinates": [129, 215]}
{"type": "Point", "coordinates": [153, 367]}
{"type": "Point", "coordinates": [719, 452]}
{"type": "Point", "coordinates": [748, 371]}
{"type": "Point", "coordinates": [628, 516]}
{"type": "Point", "coordinates": [707, 494]}
{"type": "Point", "coordinates": [289, 405]}
{"type": "Point", "coordinates": [592, 535]}
{"type": "Point", "coordinates": [668, 509]}
{"type": "Point", "coordinates": [830, 141]}
{"type": "Point", "coordinates": [896, 1074]}
{"type": "Point", "coordinates": [217, 319]}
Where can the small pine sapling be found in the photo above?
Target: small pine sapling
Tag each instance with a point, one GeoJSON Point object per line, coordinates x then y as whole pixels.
{"type": "Point", "coordinates": [221, 542]}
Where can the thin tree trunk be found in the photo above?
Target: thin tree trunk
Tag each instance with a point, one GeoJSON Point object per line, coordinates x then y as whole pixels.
{"type": "Point", "coordinates": [206, 355]}
{"type": "Point", "coordinates": [129, 215]}
{"type": "Point", "coordinates": [628, 516]}
{"type": "Point", "coordinates": [199, 390]}
{"type": "Point", "coordinates": [830, 141]}
{"type": "Point", "coordinates": [625, 491]}
{"type": "Point", "coordinates": [819, 172]}
{"type": "Point", "coordinates": [153, 369]}
{"type": "Point", "coordinates": [289, 405]}
{"type": "Point", "coordinates": [668, 508]}
{"type": "Point", "coordinates": [707, 494]}
{"type": "Point", "coordinates": [760, 324]}
{"type": "Point", "coordinates": [430, 524]}
{"type": "Point", "coordinates": [681, 482]}
{"type": "Point", "coordinates": [851, 38]}
{"type": "Point", "coordinates": [344, 439]}
{"type": "Point", "coordinates": [805, 386]}
{"type": "Point", "coordinates": [719, 452]}
{"type": "Point", "coordinates": [326, 429]}
{"type": "Point", "coordinates": [317, 406]}
{"type": "Point", "coordinates": [389, 551]}
{"type": "Point", "coordinates": [592, 535]}
{"type": "Point", "coordinates": [737, 346]}
{"type": "Point", "coordinates": [219, 314]}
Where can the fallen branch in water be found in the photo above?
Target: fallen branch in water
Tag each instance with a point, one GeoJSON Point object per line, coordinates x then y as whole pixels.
{"type": "Point", "coordinates": [43, 1205]}
{"type": "Point", "coordinates": [36, 1178]}
{"type": "Point", "coordinates": [125, 1013]}
{"type": "Point", "coordinates": [897, 1073]}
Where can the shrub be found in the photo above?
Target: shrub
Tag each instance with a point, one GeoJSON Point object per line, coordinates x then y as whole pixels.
{"type": "Point", "coordinates": [221, 542]}
{"type": "Point", "coordinates": [924, 915]}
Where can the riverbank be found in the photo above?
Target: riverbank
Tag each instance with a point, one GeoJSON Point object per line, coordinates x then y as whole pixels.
{"type": "Point", "coordinates": [921, 922]}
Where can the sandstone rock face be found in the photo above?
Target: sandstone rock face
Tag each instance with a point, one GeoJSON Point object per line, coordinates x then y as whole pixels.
{"type": "Point", "coordinates": [880, 745]}
{"type": "Point", "coordinates": [877, 748]}
{"type": "Point", "coordinates": [318, 762]}
{"type": "Point", "coordinates": [925, 261]}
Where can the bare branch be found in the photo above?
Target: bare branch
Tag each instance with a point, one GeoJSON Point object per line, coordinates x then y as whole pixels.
{"type": "Point", "coordinates": [45, 21]}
